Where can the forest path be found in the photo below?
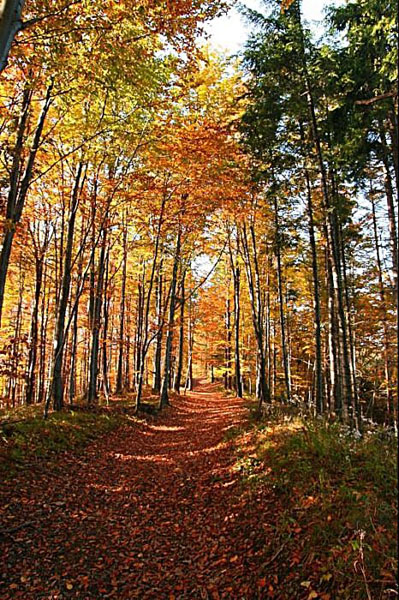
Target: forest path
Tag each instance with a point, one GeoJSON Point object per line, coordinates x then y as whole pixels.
{"type": "Point", "coordinates": [155, 511]}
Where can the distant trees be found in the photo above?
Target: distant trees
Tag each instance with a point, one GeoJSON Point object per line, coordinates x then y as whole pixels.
{"type": "Point", "coordinates": [112, 192]}
{"type": "Point", "coordinates": [310, 138]}
{"type": "Point", "coordinates": [123, 165]}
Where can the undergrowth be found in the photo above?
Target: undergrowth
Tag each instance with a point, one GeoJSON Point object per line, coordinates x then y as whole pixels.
{"type": "Point", "coordinates": [34, 438]}
{"type": "Point", "coordinates": [336, 531]}
{"type": "Point", "coordinates": [26, 437]}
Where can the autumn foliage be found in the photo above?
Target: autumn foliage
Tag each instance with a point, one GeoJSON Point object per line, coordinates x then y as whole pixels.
{"type": "Point", "coordinates": [186, 237]}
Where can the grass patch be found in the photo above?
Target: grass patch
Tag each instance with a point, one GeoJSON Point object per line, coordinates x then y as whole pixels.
{"type": "Point", "coordinates": [25, 441]}
{"type": "Point", "coordinates": [337, 498]}
{"type": "Point", "coordinates": [26, 437]}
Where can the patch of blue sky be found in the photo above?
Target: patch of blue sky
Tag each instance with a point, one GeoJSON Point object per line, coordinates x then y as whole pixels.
{"type": "Point", "coordinates": [230, 31]}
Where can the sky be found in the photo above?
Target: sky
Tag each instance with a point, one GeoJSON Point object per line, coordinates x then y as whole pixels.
{"type": "Point", "coordinates": [230, 31]}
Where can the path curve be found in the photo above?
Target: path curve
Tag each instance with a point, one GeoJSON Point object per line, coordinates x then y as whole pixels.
{"type": "Point", "coordinates": [153, 512]}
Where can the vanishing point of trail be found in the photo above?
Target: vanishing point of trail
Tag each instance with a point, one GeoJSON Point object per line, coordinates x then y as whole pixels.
{"type": "Point", "coordinates": [150, 512]}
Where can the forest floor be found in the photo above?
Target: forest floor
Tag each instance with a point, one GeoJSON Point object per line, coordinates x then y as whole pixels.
{"type": "Point", "coordinates": [165, 509]}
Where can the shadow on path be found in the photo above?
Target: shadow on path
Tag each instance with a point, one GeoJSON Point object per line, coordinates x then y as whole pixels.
{"type": "Point", "coordinates": [153, 511]}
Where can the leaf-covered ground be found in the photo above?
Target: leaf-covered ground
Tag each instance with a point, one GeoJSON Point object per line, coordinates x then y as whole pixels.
{"type": "Point", "coordinates": [151, 511]}
{"type": "Point", "coordinates": [198, 503]}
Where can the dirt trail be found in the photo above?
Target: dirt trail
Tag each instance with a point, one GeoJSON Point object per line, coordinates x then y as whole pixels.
{"type": "Point", "coordinates": [155, 511]}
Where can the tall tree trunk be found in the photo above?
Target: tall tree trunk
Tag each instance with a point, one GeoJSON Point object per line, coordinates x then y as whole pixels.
{"type": "Point", "coordinates": [18, 191]}
{"type": "Point", "coordinates": [119, 378]}
{"type": "Point", "coordinates": [235, 269]}
{"type": "Point", "coordinates": [13, 192]}
{"type": "Point", "coordinates": [331, 224]}
{"type": "Point", "coordinates": [56, 389]}
{"type": "Point", "coordinates": [34, 331]}
{"type": "Point", "coordinates": [44, 318]}
{"type": "Point", "coordinates": [336, 272]}
{"type": "Point", "coordinates": [104, 345]}
{"type": "Point", "coordinates": [316, 301]}
{"type": "Point", "coordinates": [96, 326]}
{"type": "Point", "coordinates": [252, 273]}
{"type": "Point", "coordinates": [179, 368]}
{"type": "Point", "coordinates": [281, 302]}
{"type": "Point", "coordinates": [227, 350]}
{"type": "Point", "coordinates": [158, 338]}
{"type": "Point", "coordinates": [189, 384]}
{"type": "Point", "coordinates": [145, 342]}
{"type": "Point", "coordinates": [164, 395]}
{"type": "Point", "coordinates": [352, 350]}
{"type": "Point", "coordinates": [15, 344]}
{"type": "Point", "coordinates": [390, 201]}
{"type": "Point", "coordinates": [139, 335]}
{"type": "Point", "coordinates": [391, 408]}
{"type": "Point", "coordinates": [268, 331]}
{"type": "Point", "coordinates": [74, 343]}
{"type": "Point", "coordinates": [128, 344]}
{"type": "Point", "coordinates": [10, 24]}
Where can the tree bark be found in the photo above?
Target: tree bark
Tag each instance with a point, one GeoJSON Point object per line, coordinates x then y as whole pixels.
{"type": "Point", "coordinates": [98, 303]}
{"type": "Point", "coordinates": [104, 343]}
{"type": "Point", "coordinates": [10, 24]}
{"type": "Point", "coordinates": [56, 389]}
{"type": "Point", "coordinates": [142, 348]}
{"type": "Point", "coordinates": [189, 384]}
{"type": "Point", "coordinates": [179, 368]}
{"type": "Point", "coordinates": [18, 192]}
{"type": "Point", "coordinates": [316, 301]}
{"type": "Point", "coordinates": [164, 395]}
{"type": "Point", "coordinates": [235, 269]}
{"type": "Point", "coordinates": [391, 408]}
{"type": "Point", "coordinates": [281, 302]}
{"type": "Point", "coordinates": [252, 273]}
{"type": "Point", "coordinates": [34, 331]}
{"type": "Point", "coordinates": [227, 350]}
{"type": "Point", "coordinates": [158, 338]}
{"type": "Point", "coordinates": [119, 377]}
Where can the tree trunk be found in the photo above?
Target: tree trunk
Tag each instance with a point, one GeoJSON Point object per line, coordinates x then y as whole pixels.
{"type": "Point", "coordinates": [15, 343]}
{"type": "Point", "coordinates": [331, 223]}
{"type": "Point", "coordinates": [158, 339]}
{"type": "Point", "coordinates": [18, 191]}
{"type": "Point", "coordinates": [164, 396]}
{"type": "Point", "coordinates": [104, 345]}
{"type": "Point", "coordinates": [316, 302]}
{"type": "Point", "coordinates": [235, 269]}
{"type": "Point", "coordinates": [139, 337]}
{"type": "Point", "coordinates": [227, 350]}
{"type": "Point", "coordinates": [281, 302]}
{"type": "Point", "coordinates": [179, 368]}
{"type": "Point", "coordinates": [56, 390]}
{"type": "Point", "coordinates": [252, 272]}
{"type": "Point", "coordinates": [390, 201]}
{"type": "Point", "coordinates": [189, 384]}
{"type": "Point", "coordinates": [44, 317]}
{"type": "Point", "coordinates": [142, 348]}
{"type": "Point", "coordinates": [357, 417]}
{"type": "Point", "coordinates": [119, 377]}
{"type": "Point", "coordinates": [10, 24]}
{"type": "Point", "coordinates": [98, 303]}
{"type": "Point", "coordinates": [34, 331]}
{"type": "Point", "coordinates": [391, 409]}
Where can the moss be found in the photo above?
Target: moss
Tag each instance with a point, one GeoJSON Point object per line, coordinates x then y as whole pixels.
{"type": "Point", "coordinates": [35, 437]}
{"type": "Point", "coordinates": [337, 497]}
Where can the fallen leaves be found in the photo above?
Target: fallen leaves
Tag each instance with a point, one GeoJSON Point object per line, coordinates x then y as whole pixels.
{"type": "Point", "coordinates": [169, 520]}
